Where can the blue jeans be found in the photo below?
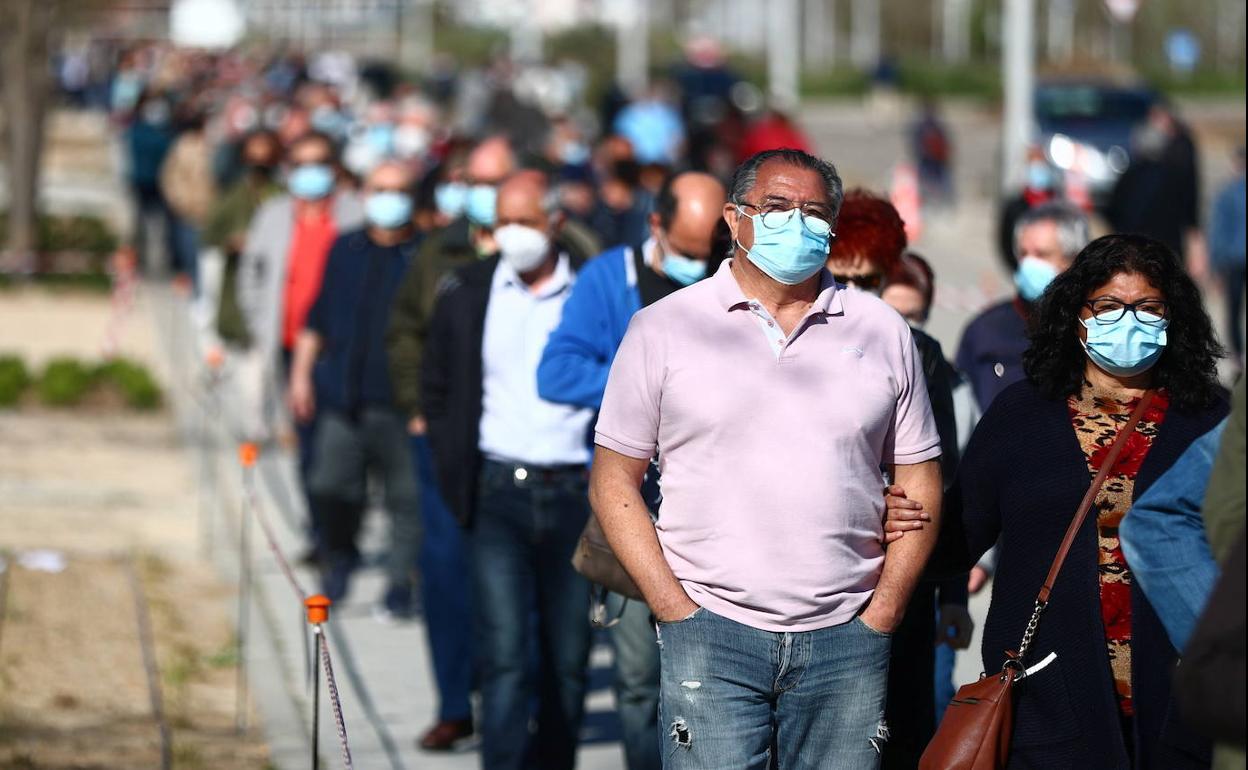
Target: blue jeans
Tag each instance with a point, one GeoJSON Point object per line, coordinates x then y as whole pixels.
{"type": "Point", "coordinates": [446, 593]}
{"type": "Point", "coordinates": [525, 529]}
{"type": "Point", "coordinates": [186, 250]}
{"type": "Point", "coordinates": [946, 661]}
{"type": "Point", "coordinates": [636, 683]}
{"type": "Point", "coordinates": [1163, 538]}
{"type": "Point", "coordinates": [736, 697]}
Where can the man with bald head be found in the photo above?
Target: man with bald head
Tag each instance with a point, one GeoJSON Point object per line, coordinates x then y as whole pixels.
{"type": "Point", "coordinates": [574, 368]}
{"type": "Point", "coordinates": [512, 467]}
{"type": "Point", "coordinates": [359, 429]}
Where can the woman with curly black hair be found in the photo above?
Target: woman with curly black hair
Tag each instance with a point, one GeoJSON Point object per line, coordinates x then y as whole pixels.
{"type": "Point", "coordinates": [1124, 323]}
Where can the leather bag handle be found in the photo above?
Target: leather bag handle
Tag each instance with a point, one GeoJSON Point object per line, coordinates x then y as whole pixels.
{"type": "Point", "coordinates": [1088, 499]}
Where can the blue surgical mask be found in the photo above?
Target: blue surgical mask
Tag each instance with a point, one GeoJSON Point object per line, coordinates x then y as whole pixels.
{"type": "Point", "coordinates": [574, 154]}
{"type": "Point", "coordinates": [388, 210]}
{"type": "Point", "coordinates": [329, 121]}
{"type": "Point", "coordinates": [1033, 276]}
{"type": "Point", "coordinates": [451, 198]}
{"type": "Point", "coordinates": [682, 269]}
{"type": "Point", "coordinates": [790, 253]}
{"type": "Point", "coordinates": [1039, 175]}
{"type": "Point", "coordinates": [1127, 346]}
{"type": "Point", "coordinates": [311, 181]}
{"type": "Point", "coordinates": [482, 200]}
{"type": "Point", "coordinates": [380, 137]}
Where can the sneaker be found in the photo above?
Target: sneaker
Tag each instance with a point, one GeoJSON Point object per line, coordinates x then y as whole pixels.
{"type": "Point", "coordinates": [395, 606]}
{"type": "Point", "coordinates": [446, 735]}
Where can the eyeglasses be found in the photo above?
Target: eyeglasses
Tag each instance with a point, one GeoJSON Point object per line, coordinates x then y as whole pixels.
{"type": "Point", "coordinates": [1107, 310]}
{"type": "Point", "coordinates": [776, 214]}
{"type": "Point", "coordinates": [865, 281]}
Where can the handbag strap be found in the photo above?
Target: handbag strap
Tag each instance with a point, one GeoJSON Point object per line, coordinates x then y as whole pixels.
{"type": "Point", "coordinates": [1089, 498]}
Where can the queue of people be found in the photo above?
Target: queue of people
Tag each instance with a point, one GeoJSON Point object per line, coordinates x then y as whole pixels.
{"type": "Point", "coordinates": [729, 375]}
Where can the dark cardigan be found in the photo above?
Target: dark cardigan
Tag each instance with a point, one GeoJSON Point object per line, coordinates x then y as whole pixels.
{"type": "Point", "coordinates": [1021, 479]}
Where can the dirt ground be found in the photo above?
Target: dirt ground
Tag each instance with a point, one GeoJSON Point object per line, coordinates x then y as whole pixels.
{"type": "Point", "coordinates": [114, 494]}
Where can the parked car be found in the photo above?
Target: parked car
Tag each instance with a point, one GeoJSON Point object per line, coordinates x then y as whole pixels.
{"type": "Point", "coordinates": [1086, 126]}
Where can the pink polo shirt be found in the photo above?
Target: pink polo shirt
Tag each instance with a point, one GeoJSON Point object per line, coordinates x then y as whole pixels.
{"type": "Point", "coordinates": [770, 448]}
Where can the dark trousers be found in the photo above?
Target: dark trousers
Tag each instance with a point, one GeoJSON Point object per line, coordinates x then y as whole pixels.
{"type": "Point", "coordinates": [305, 434]}
{"type": "Point", "coordinates": [186, 249]}
{"type": "Point", "coordinates": [347, 449]}
{"type": "Point", "coordinates": [446, 593]}
{"type": "Point", "coordinates": [636, 682]}
{"type": "Point", "coordinates": [526, 527]}
{"type": "Point", "coordinates": [911, 710]}
{"type": "Point", "coordinates": [1233, 287]}
{"type": "Point", "coordinates": [153, 229]}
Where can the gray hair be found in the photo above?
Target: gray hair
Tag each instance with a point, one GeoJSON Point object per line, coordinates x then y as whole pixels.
{"type": "Point", "coordinates": [1073, 231]}
{"type": "Point", "coordinates": [746, 175]}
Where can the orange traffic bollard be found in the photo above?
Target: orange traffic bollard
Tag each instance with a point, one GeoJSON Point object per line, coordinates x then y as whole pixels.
{"type": "Point", "coordinates": [247, 454]}
{"type": "Point", "coordinates": [318, 608]}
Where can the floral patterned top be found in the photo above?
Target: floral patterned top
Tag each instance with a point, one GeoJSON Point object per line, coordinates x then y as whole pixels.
{"type": "Point", "coordinates": [1097, 416]}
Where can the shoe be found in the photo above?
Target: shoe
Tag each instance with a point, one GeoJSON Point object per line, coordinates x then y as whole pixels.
{"type": "Point", "coordinates": [337, 579]}
{"type": "Point", "coordinates": [446, 735]}
{"type": "Point", "coordinates": [312, 558]}
{"type": "Point", "coordinates": [395, 606]}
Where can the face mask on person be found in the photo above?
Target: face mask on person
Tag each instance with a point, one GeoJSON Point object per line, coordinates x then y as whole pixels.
{"type": "Point", "coordinates": [388, 210]}
{"type": "Point", "coordinates": [574, 154]}
{"type": "Point", "coordinates": [451, 198]}
{"type": "Point", "coordinates": [329, 121]}
{"type": "Point", "coordinates": [1039, 175]}
{"type": "Point", "coordinates": [156, 113]}
{"type": "Point", "coordinates": [311, 181]}
{"type": "Point", "coordinates": [681, 269]}
{"type": "Point", "coordinates": [790, 253]}
{"type": "Point", "coordinates": [381, 136]}
{"type": "Point", "coordinates": [480, 204]}
{"type": "Point", "coordinates": [524, 248]}
{"type": "Point", "coordinates": [411, 141]}
{"type": "Point", "coordinates": [1033, 276]}
{"type": "Point", "coordinates": [1127, 346]}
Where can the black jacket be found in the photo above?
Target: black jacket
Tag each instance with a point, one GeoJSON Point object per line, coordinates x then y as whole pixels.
{"type": "Point", "coordinates": [1210, 683]}
{"type": "Point", "coordinates": [451, 381]}
{"type": "Point", "coordinates": [1021, 480]}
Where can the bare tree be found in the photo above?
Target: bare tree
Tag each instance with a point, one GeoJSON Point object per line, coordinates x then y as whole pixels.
{"type": "Point", "coordinates": [26, 31]}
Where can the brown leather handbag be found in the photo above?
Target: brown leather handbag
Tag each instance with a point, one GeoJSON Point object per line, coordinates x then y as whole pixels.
{"type": "Point", "coordinates": [595, 560]}
{"type": "Point", "coordinates": [975, 731]}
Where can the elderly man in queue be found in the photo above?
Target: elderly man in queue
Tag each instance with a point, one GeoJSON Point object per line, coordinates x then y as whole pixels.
{"type": "Point", "coordinates": [512, 467]}
{"type": "Point", "coordinates": [773, 399]}
{"type": "Point", "coordinates": [342, 348]}
{"type": "Point", "coordinates": [678, 252]}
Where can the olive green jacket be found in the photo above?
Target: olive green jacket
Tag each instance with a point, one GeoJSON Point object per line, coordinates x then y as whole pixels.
{"type": "Point", "coordinates": [1224, 520]}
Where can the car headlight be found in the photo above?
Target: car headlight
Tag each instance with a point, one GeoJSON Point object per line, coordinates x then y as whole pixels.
{"type": "Point", "coordinates": [1062, 151]}
{"type": "Point", "coordinates": [1092, 163]}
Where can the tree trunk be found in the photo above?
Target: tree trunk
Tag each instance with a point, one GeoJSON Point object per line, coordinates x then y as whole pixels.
{"type": "Point", "coordinates": [25, 45]}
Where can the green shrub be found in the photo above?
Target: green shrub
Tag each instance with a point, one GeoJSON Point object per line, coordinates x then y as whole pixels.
{"type": "Point", "coordinates": [77, 232]}
{"type": "Point", "coordinates": [14, 379]}
{"type": "Point", "coordinates": [136, 384]}
{"type": "Point", "coordinates": [64, 382]}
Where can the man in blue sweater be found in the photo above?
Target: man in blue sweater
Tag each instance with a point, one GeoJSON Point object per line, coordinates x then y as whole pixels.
{"type": "Point", "coordinates": [573, 370]}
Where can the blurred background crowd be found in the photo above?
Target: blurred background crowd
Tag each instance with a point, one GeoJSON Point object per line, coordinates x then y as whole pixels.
{"type": "Point", "coordinates": [999, 136]}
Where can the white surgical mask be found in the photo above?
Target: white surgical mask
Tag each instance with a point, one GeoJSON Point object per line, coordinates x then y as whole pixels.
{"type": "Point", "coordinates": [524, 248]}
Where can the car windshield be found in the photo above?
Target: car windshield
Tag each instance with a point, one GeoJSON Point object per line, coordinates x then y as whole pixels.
{"type": "Point", "coordinates": [1090, 103]}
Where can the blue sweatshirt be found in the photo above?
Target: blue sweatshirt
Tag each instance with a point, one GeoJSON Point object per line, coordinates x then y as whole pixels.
{"type": "Point", "coordinates": [579, 352]}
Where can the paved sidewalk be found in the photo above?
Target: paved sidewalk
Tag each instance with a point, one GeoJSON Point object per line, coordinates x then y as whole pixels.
{"type": "Point", "coordinates": [383, 671]}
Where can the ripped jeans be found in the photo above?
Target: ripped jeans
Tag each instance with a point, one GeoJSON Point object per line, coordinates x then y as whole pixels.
{"type": "Point", "coordinates": [732, 696]}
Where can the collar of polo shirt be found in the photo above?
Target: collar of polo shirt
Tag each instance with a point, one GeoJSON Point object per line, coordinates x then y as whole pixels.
{"type": "Point", "coordinates": [828, 301]}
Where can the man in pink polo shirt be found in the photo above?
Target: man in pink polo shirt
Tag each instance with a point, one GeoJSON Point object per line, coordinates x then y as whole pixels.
{"type": "Point", "coordinates": [776, 401]}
